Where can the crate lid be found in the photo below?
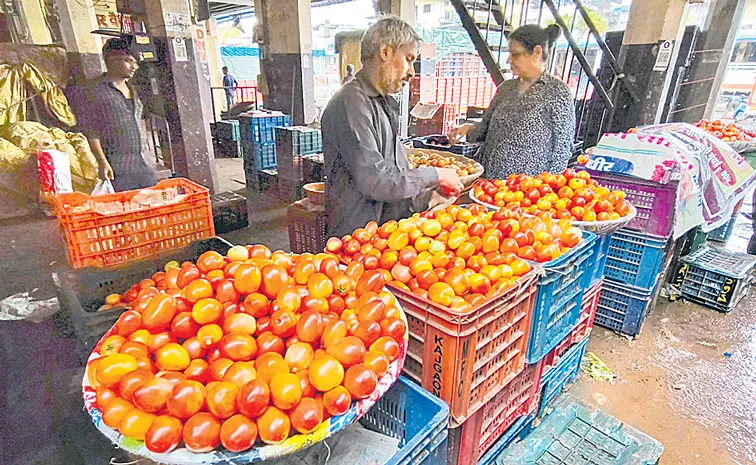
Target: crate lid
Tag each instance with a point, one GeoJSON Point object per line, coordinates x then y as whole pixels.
{"type": "Point", "coordinates": [719, 260]}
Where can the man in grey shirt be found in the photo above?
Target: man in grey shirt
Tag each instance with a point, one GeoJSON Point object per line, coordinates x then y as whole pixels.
{"type": "Point", "coordinates": [366, 168]}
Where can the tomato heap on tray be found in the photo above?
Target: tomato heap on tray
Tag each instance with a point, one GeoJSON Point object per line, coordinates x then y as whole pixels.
{"type": "Point", "coordinates": [251, 345]}
{"type": "Point", "coordinates": [572, 195]}
{"type": "Point", "coordinates": [457, 257]}
{"type": "Point", "coordinates": [727, 132]}
{"type": "Point", "coordinates": [437, 160]}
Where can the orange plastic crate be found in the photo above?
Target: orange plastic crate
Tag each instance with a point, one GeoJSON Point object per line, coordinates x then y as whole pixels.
{"type": "Point", "coordinates": [466, 359]}
{"type": "Point", "coordinates": [471, 440]}
{"type": "Point", "coordinates": [96, 239]}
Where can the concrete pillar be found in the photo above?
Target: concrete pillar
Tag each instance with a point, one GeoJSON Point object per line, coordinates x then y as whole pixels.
{"type": "Point", "coordinates": [35, 20]}
{"type": "Point", "coordinates": [404, 9]}
{"type": "Point", "coordinates": [77, 21]}
{"type": "Point", "coordinates": [184, 83]}
{"type": "Point", "coordinates": [651, 23]}
{"type": "Point", "coordinates": [700, 92]}
{"type": "Point", "coordinates": [286, 58]}
{"type": "Point", "coordinates": [215, 64]}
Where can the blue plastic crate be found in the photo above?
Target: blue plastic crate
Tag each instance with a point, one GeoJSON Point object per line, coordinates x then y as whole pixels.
{"type": "Point", "coordinates": [419, 420]}
{"type": "Point", "coordinates": [577, 434]}
{"type": "Point", "coordinates": [635, 259]}
{"type": "Point", "coordinates": [560, 375]}
{"type": "Point", "coordinates": [595, 269]}
{"type": "Point", "coordinates": [258, 157]}
{"type": "Point", "coordinates": [560, 295]}
{"type": "Point", "coordinates": [518, 431]}
{"type": "Point", "coordinates": [261, 129]}
{"type": "Point", "coordinates": [623, 308]}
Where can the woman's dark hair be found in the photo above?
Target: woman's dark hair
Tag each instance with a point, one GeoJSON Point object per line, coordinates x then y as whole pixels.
{"type": "Point", "coordinates": [531, 35]}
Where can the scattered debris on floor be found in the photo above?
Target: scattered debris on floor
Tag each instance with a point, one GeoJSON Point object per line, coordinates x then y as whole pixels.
{"type": "Point", "coordinates": [21, 307]}
{"type": "Point", "coordinates": [596, 368]}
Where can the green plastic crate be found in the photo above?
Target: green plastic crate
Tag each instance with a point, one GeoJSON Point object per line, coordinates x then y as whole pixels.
{"type": "Point", "coordinates": [576, 434]}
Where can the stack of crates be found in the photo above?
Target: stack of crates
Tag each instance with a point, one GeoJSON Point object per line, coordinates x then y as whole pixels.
{"type": "Point", "coordinates": [442, 122]}
{"type": "Point", "coordinates": [488, 363]}
{"type": "Point", "coordinates": [291, 144]}
{"type": "Point", "coordinates": [637, 255]}
{"type": "Point", "coordinates": [258, 141]}
{"type": "Point", "coordinates": [227, 139]}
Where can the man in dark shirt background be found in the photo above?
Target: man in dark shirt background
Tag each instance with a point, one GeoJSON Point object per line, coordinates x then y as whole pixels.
{"type": "Point", "coordinates": [229, 84]}
{"type": "Point", "coordinates": [112, 121]}
{"type": "Point", "coordinates": [366, 167]}
{"type": "Point", "coordinates": [349, 74]}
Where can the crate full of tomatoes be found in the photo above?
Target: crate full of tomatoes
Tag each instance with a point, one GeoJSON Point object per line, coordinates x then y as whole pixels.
{"type": "Point", "coordinates": [464, 278]}
{"type": "Point", "coordinates": [570, 195]}
{"type": "Point", "coordinates": [248, 355]}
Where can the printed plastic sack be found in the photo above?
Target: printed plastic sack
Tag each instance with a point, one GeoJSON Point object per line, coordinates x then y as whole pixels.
{"type": "Point", "coordinates": [103, 187]}
{"type": "Point", "coordinates": [54, 170]}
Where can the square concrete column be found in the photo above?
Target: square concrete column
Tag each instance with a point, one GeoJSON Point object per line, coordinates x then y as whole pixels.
{"type": "Point", "coordinates": [655, 27]}
{"type": "Point", "coordinates": [404, 9]}
{"type": "Point", "coordinates": [77, 21]}
{"type": "Point", "coordinates": [700, 91]}
{"type": "Point", "coordinates": [183, 95]}
{"type": "Point", "coordinates": [286, 58]}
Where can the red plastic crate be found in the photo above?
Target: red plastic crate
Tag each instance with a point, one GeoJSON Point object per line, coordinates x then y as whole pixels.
{"type": "Point", "coordinates": [587, 312]}
{"type": "Point", "coordinates": [466, 359]}
{"type": "Point", "coordinates": [471, 440]}
{"type": "Point", "coordinates": [103, 240]}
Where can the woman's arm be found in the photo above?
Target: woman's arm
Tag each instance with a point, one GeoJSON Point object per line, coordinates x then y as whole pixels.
{"type": "Point", "coordinates": [562, 128]}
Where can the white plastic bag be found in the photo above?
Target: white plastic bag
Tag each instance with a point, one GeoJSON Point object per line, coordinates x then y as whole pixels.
{"type": "Point", "coordinates": [103, 187]}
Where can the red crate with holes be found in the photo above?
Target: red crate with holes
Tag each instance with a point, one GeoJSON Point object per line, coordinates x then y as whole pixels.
{"type": "Point", "coordinates": [470, 441]}
{"type": "Point", "coordinates": [466, 360]}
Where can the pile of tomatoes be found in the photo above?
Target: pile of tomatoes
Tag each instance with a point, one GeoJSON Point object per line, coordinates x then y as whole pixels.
{"type": "Point", "coordinates": [458, 257]}
{"type": "Point", "coordinates": [727, 132]}
{"type": "Point", "coordinates": [572, 195]}
{"type": "Point", "coordinates": [418, 158]}
{"type": "Point", "coordinates": [251, 345]}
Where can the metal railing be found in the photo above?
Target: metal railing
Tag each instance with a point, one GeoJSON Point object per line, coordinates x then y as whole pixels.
{"type": "Point", "coordinates": [242, 94]}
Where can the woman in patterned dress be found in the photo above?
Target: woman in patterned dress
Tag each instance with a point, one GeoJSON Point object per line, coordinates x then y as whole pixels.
{"type": "Point", "coordinates": [530, 125]}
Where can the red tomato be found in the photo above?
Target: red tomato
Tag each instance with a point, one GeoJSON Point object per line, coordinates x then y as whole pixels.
{"type": "Point", "coordinates": [337, 401]}
{"type": "Point", "coordinates": [238, 433]}
{"type": "Point", "coordinates": [274, 279]}
{"type": "Point", "coordinates": [273, 426]}
{"type": "Point", "coordinates": [306, 416]}
{"type": "Point", "coordinates": [202, 433]}
{"type": "Point", "coordinates": [370, 281]}
{"type": "Point", "coordinates": [164, 434]}
{"type": "Point", "coordinates": [253, 398]}
{"type": "Point", "coordinates": [221, 398]}
{"type": "Point", "coordinates": [159, 313]}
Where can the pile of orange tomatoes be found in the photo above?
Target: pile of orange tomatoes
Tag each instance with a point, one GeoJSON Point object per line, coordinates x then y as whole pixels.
{"type": "Point", "coordinates": [572, 195]}
{"type": "Point", "coordinates": [249, 346]}
{"type": "Point", "coordinates": [727, 132]}
{"type": "Point", "coordinates": [458, 257]}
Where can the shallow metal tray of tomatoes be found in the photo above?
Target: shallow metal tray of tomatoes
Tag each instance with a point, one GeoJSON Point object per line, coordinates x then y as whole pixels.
{"type": "Point", "coordinates": [743, 146]}
{"type": "Point", "coordinates": [466, 180]}
{"type": "Point", "coordinates": [598, 227]}
{"type": "Point", "coordinates": [295, 443]}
